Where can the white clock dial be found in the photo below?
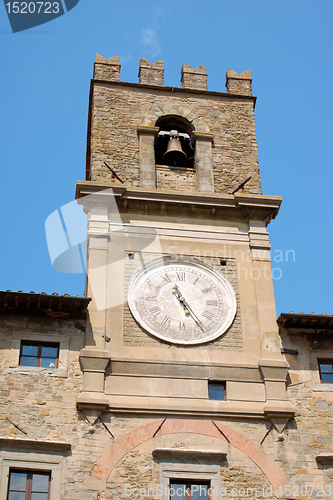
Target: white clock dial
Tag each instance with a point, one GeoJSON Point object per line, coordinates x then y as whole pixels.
{"type": "Point", "coordinates": [182, 301]}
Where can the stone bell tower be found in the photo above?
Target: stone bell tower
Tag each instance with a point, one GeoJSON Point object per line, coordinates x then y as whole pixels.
{"type": "Point", "coordinates": [182, 350]}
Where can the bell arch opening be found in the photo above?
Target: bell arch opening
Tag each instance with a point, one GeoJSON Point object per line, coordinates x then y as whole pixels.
{"type": "Point", "coordinates": [174, 143]}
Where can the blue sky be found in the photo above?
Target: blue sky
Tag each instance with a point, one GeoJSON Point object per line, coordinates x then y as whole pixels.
{"type": "Point", "coordinates": [46, 74]}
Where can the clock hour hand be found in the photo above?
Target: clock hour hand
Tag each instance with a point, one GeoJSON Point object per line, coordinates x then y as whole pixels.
{"type": "Point", "coordinates": [187, 307]}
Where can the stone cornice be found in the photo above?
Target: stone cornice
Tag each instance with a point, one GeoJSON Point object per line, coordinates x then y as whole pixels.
{"type": "Point", "coordinates": [210, 206]}
{"type": "Point", "coordinates": [173, 90]}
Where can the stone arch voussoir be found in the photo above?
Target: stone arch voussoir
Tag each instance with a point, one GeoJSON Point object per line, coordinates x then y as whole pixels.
{"type": "Point", "coordinates": [150, 118]}
{"type": "Point", "coordinates": [119, 448]}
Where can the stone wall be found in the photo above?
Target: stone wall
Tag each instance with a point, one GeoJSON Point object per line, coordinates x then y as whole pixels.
{"type": "Point", "coordinates": [117, 111]}
{"type": "Point", "coordinates": [44, 406]}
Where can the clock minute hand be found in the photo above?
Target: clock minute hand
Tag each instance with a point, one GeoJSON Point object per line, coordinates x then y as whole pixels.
{"type": "Point", "coordinates": [196, 319]}
{"type": "Point", "coordinates": [186, 306]}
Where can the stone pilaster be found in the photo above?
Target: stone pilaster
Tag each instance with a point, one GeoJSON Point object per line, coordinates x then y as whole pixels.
{"type": "Point", "coordinates": [147, 156]}
{"type": "Point", "coordinates": [204, 162]}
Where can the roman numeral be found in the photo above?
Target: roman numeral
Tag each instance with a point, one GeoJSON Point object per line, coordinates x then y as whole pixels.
{"type": "Point", "coordinates": [166, 321]}
{"type": "Point", "coordinates": [155, 311]}
{"type": "Point", "coordinates": [166, 278]}
{"type": "Point", "coordinates": [180, 276]}
{"type": "Point", "coordinates": [182, 326]}
{"type": "Point", "coordinates": [211, 302]}
{"type": "Point", "coordinates": [196, 279]}
{"type": "Point", "coordinates": [208, 315]}
{"type": "Point", "coordinates": [150, 297]}
{"type": "Point", "coordinates": [206, 290]}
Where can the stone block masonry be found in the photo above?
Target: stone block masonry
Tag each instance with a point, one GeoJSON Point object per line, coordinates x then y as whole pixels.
{"type": "Point", "coordinates": [118, 110]}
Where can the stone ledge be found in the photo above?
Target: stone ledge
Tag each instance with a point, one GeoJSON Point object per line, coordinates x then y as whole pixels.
{"type": "Point", "coordinates": [242, 206]}
{"type": "Point", "coordinates": [325, 458]}
{"type": "Point", "coordinates": [35, 444]}
{"type": "Point", "coordinates": [212, 455]}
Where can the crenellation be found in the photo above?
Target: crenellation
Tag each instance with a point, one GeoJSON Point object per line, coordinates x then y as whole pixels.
{"type": "Point", "coordinates": [238, 84]}
{"type": "Point", "coordinates": [151, 74]}
{"type": "Point", "coordinates": [107, 70]}
{"type": "Point", "coordinates": [195, 79]}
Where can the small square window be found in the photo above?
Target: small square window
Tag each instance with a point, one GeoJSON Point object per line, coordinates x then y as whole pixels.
{"type": "Point", "coordinates": [326, 371]}
{"type": "Point", "coordinates": [41, 354]}
{"type": "Point", "coordinates": [28, 485]}
{"type": "Point", "coordinates": [189, 490]}
{"type": "Point", "coordinates": [216, 390]}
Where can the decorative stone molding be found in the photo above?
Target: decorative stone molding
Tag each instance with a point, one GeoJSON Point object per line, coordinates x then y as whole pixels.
{"type": "Point", "coordinates": [94, 363]}
{"type": "Point", "coordinates": [107, 70]}
{"type": "Point", "coordinates": [151, 74]}
{"type": "Point", "coordinates": [35, 444]}
{"type": "Point", "coordinates": [274, 372]}
{"type": "Point", "coordinates": [238, 84]}
{"type": "Point", "coordinates": [242, 206]}
{"type": "Point", "coordinates": [259, 241]}
{"type": "Point", "coordinates": [193, 78]}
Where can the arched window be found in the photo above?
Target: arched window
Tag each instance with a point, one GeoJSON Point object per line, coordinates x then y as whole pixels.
{"type": "Point", "coordinates": [174, 143]}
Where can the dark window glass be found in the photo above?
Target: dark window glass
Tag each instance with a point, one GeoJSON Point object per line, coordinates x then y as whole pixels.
{"type": "Point", "coordinates": [43, 354]}
{"type": "Point", "coordinates": [216, 390]}
{"type": "Point", "coordinates": [28, 485]}
{"type": "Point", "coordinates": [29, 350]}
{"type": "Point", "coordinates": [326, 371]}
{"type": "Point", "coordinates": [189, 490]}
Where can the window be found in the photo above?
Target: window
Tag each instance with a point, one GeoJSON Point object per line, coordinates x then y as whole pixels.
{"type": "Point", "coordinates": [28, 485]}
{"type": "Point", "coordinates": [326, 371]}
{"type": "Point", "coordinates": [41, 354]}
{"type": "Point", "coordinates": [189, 490]}
{"type": "Point", "coordinates": [216, 390]}
{"type": "Point", "coordinates": [187, 474]}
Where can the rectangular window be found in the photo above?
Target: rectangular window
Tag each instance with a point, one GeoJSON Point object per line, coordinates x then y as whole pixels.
{"type": "Point", "coordinates": [28, 485]}
{"type": "Point", "coordinates": [42, 354]}
{"type": "Point", "coordinates": [216, 390]}
{"type": "Point", "coordinates": [326, 370]}
{"type": "Point", "coordinates": [189, 490]}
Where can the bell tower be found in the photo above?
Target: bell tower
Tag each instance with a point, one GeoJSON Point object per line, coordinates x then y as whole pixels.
{"type": "Point", "coordinates": [182, 325]}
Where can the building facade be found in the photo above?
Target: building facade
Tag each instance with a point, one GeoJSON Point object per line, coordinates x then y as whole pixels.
{"type": "Point", "coordinates": [173, 379]}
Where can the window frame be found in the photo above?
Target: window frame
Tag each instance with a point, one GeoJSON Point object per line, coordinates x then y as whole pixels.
{"type": "Point", "coordinates": [28, 490]}
{"type": "Point", "coordinates": [29, 460]}
{"type": "Point", "coordinates": [218, 383]}
{"type": "Point", "coordinates": [173, 468]}
{"type": "Point", "coordinates": [63, 354]}
{"type": "Point", "coordinates": [39, 352]}
{"type": "Point", "coordinates": [188, 484]}
{"type": "Point", "coordinates": [322, 362]}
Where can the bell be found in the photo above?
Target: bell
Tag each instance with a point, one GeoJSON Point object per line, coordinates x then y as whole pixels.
{"type": "Point", "coordinates": [174, 155]}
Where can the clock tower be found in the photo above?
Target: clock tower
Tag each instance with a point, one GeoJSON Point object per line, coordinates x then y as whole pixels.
{"type": "Point", "coordinates": [182, 355]}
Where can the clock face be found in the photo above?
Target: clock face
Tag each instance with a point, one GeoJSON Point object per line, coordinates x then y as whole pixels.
{"type": "Point", "coordinates": [182, 301]}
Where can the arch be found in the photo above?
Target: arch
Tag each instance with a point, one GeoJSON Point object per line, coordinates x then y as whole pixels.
{"type": "Point", "coordinates": [156, 112]}
{"type": "Point", "coordinates": [161, 427]}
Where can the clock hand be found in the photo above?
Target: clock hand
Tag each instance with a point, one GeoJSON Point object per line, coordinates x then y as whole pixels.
{"type": "Point", "coordinates": [187, 307]}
